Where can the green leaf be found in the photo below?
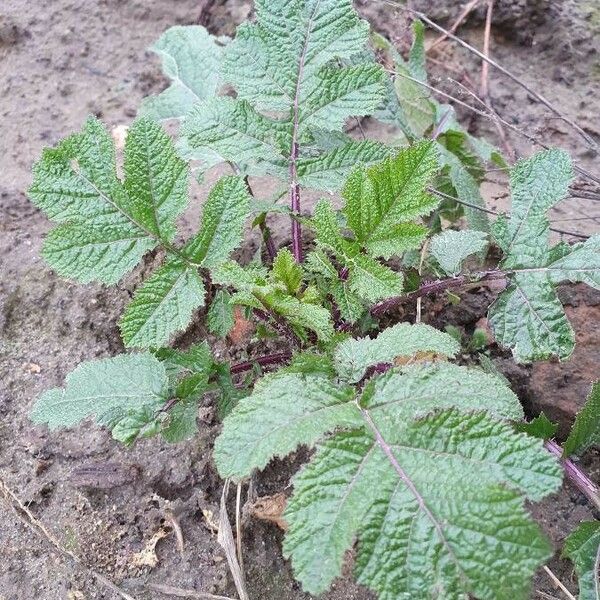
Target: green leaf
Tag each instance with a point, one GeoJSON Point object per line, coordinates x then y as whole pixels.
{"type": "Point", "coordinates": [379, 199]}
{"type": "Point", "coordinates": [94, 253]}
{"type": "Point", "coordinates": [223, 217]}
{"type": "Point", "coordinates": [309, 363]}
{"type": "Point", "coordinates": [414, 391]}
{"type": "Point", "coordinates": [465, 185]}
{"type": "Point", "coordinates": [372, 281]}
{"type": "Point", "coordinates": [421, 505]}
{"type": "Point", "coordinates": [337, 94]}
{"type": "Point", "coordinates": [163, 305]}
{"type": "Point", "coordinates": [181, 424]}
{"type": "Point", "coordinates": [329, 171]}
{"type": "Point", "coordinates": [451, 248]}
{"type": "Point", "coordinates": [580, 264]}
{"type": "Point", "coordinates": [583, 548]}
{"type": "Point", "coordinates": [191, 60]}
{"type": "Point", "coordinates": [353, 357]}
{"type": "Point", "coordinates": [528, 317]}
{"type": "Point", "coordinates": [107, 225]}
{"type": "Point", "coordinates": [586, 429]}
{"type": "Point", "coordinates": [540, 427]}
{"type": "Point", "coordinates": [237, 133]}
{"type": "Point", "coordinates": [287, 271]}
{"type": "Point", "coordinates": [301, 314]}
{"type": "Point", "coordinates": [537, 184]}
{"type": "Point", "coordinates": [282, 413]}
{"type": "Point", "coordinates": [107, 389]}
{"type": "Point", "coordinates": [279, 58]}
{"type": "Point", "coordinates": [156, 179]}
{"type": "Point", "coordinates": [219, 318]}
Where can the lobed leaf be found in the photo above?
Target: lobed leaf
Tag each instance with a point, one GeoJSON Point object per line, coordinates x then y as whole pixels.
{"type": "Point", "coordinates": [104, 388]}
{"type": "Point", "coordinates": [282, 413]}
{"type": "Point", "coordinates": [163, 305]}
{"type": "Point", "coordinates": [432, 515]}
{"type": "Point", "coordinates": [381, 198]}
{"type": "Point", "coordinates": [451, 248]}
{"type": "Point", "coordinates": [353, 357]}
{"type": "Point", "coordinates": [108, 225]}
{"type": "Point", "coordinates": [191, 60]}
{"type": "Point", "coordinates": [223, 216]}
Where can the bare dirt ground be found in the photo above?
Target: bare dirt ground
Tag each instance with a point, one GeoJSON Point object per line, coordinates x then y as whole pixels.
{"type": "Point", "coordinates": [64, 59]}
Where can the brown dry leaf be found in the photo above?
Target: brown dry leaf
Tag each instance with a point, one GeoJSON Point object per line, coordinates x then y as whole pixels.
{"type": "Point", "coordinates": [32, 367]}
{"type": "Point", "coordinates": [270, 508]}
{"type": "Point", "coordinates": [119, 134]}
{"type": "Point", "coordinates": [242, 328]}
{"type": "Point", "coordinates": [209, 517]}
{"type": "Point", "coordinates": [147, 556]}
{"type": "Point", "coordinates": [419, 357]}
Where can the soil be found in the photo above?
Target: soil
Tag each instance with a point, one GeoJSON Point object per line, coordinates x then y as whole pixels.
{"type": "Point", "coordinates": [63, 60]}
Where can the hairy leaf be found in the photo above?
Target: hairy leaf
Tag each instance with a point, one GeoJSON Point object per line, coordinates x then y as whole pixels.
{"type": "Point", "coordinates": [421, 504]}
{"type": "Point", "coordinates": [416, 390]}
{"type": "Point", "coordinates": [191, 60]}
{"type": "Point", "coordinates": [292, 65]}
{"type": "Point", "coordinates": [329, 171]}
{"type": "Point", "coordinates": [286, 271]}
{"type": "Point", "coordinates": [108, 225]}
{"type": "Point", "coordinates": [586, 429]}
{"type": "Point", "coordinates": [381, 198]}
{"type": "Point", "coordinates": [283, 412]}
{"type": "Point", "coordinates": [219, 318]}
{"type": "Point", "coordinates": [528, 317]}
{"type": "Point", "coordinates": [107, 389]}
{"type": "Point", "coordinates": [163, 305]}
{"type": "Point", "coordinates": [367, 278]}
{"type": "Point", "coordinates": [353, 357]}
{"type": "Point", "coordinates": [583, 548]}
{"type": "Point", "coordinates": [540, 427]}
{"type": "Point", "coordinates": [450, 248]}
{"type": "Point", "coordinates": [236, 132]}
{"type": "Point", "coordinates": [223, 217]}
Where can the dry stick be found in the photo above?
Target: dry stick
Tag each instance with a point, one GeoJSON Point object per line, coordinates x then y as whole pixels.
{"type": "Point", "coordinates": [238, 525]}
{"type": "Point", "coordinates": [225, 539]}
{"type": "Point", "coordinates": [169, 590]}
{"type": "Point", "coordinates": [557, 582]}
{"type": "Point", "coordinates": [423, 17]}
{"type": "Point", "coordinates": [39, 528]}
{"type": "Point", "coordinates": [459, 20]}
{"type": "Point", "coordinates": [493, 116]}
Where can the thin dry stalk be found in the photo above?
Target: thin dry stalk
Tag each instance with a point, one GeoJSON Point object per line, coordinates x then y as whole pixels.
{"type": "Point", "coordinates": [558, 583]}
{"type": "Point", "coordinates": [226, 541]}
{"type": "Point", "coordinates": [469, 7]}
{"type": "Point", "coordinates": [30, 521]}
{"type": "Point", "coordinates": [170, 590]}
{"type": "Point", "coordinates": [423, 17]}
{"type": "Point", "coordinates": [238, 525]}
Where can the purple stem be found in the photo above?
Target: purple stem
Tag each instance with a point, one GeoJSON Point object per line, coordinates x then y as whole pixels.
{"type": "Point", "coordinates": [440, 285]}
{"type": "Point", "coordinates": [294, 185]}
{"type": "Point", "coordinates": [575, 475]}
{"type": "Point", "coordinates": [268, 359]}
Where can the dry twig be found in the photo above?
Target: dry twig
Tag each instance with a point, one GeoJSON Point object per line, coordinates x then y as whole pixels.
{"type": "Point", "coordinates": [559, 584]}
{"type": "Point", "coordinates": [469, 7]}
{"type": "Point", "coordinates": [170, 590]}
